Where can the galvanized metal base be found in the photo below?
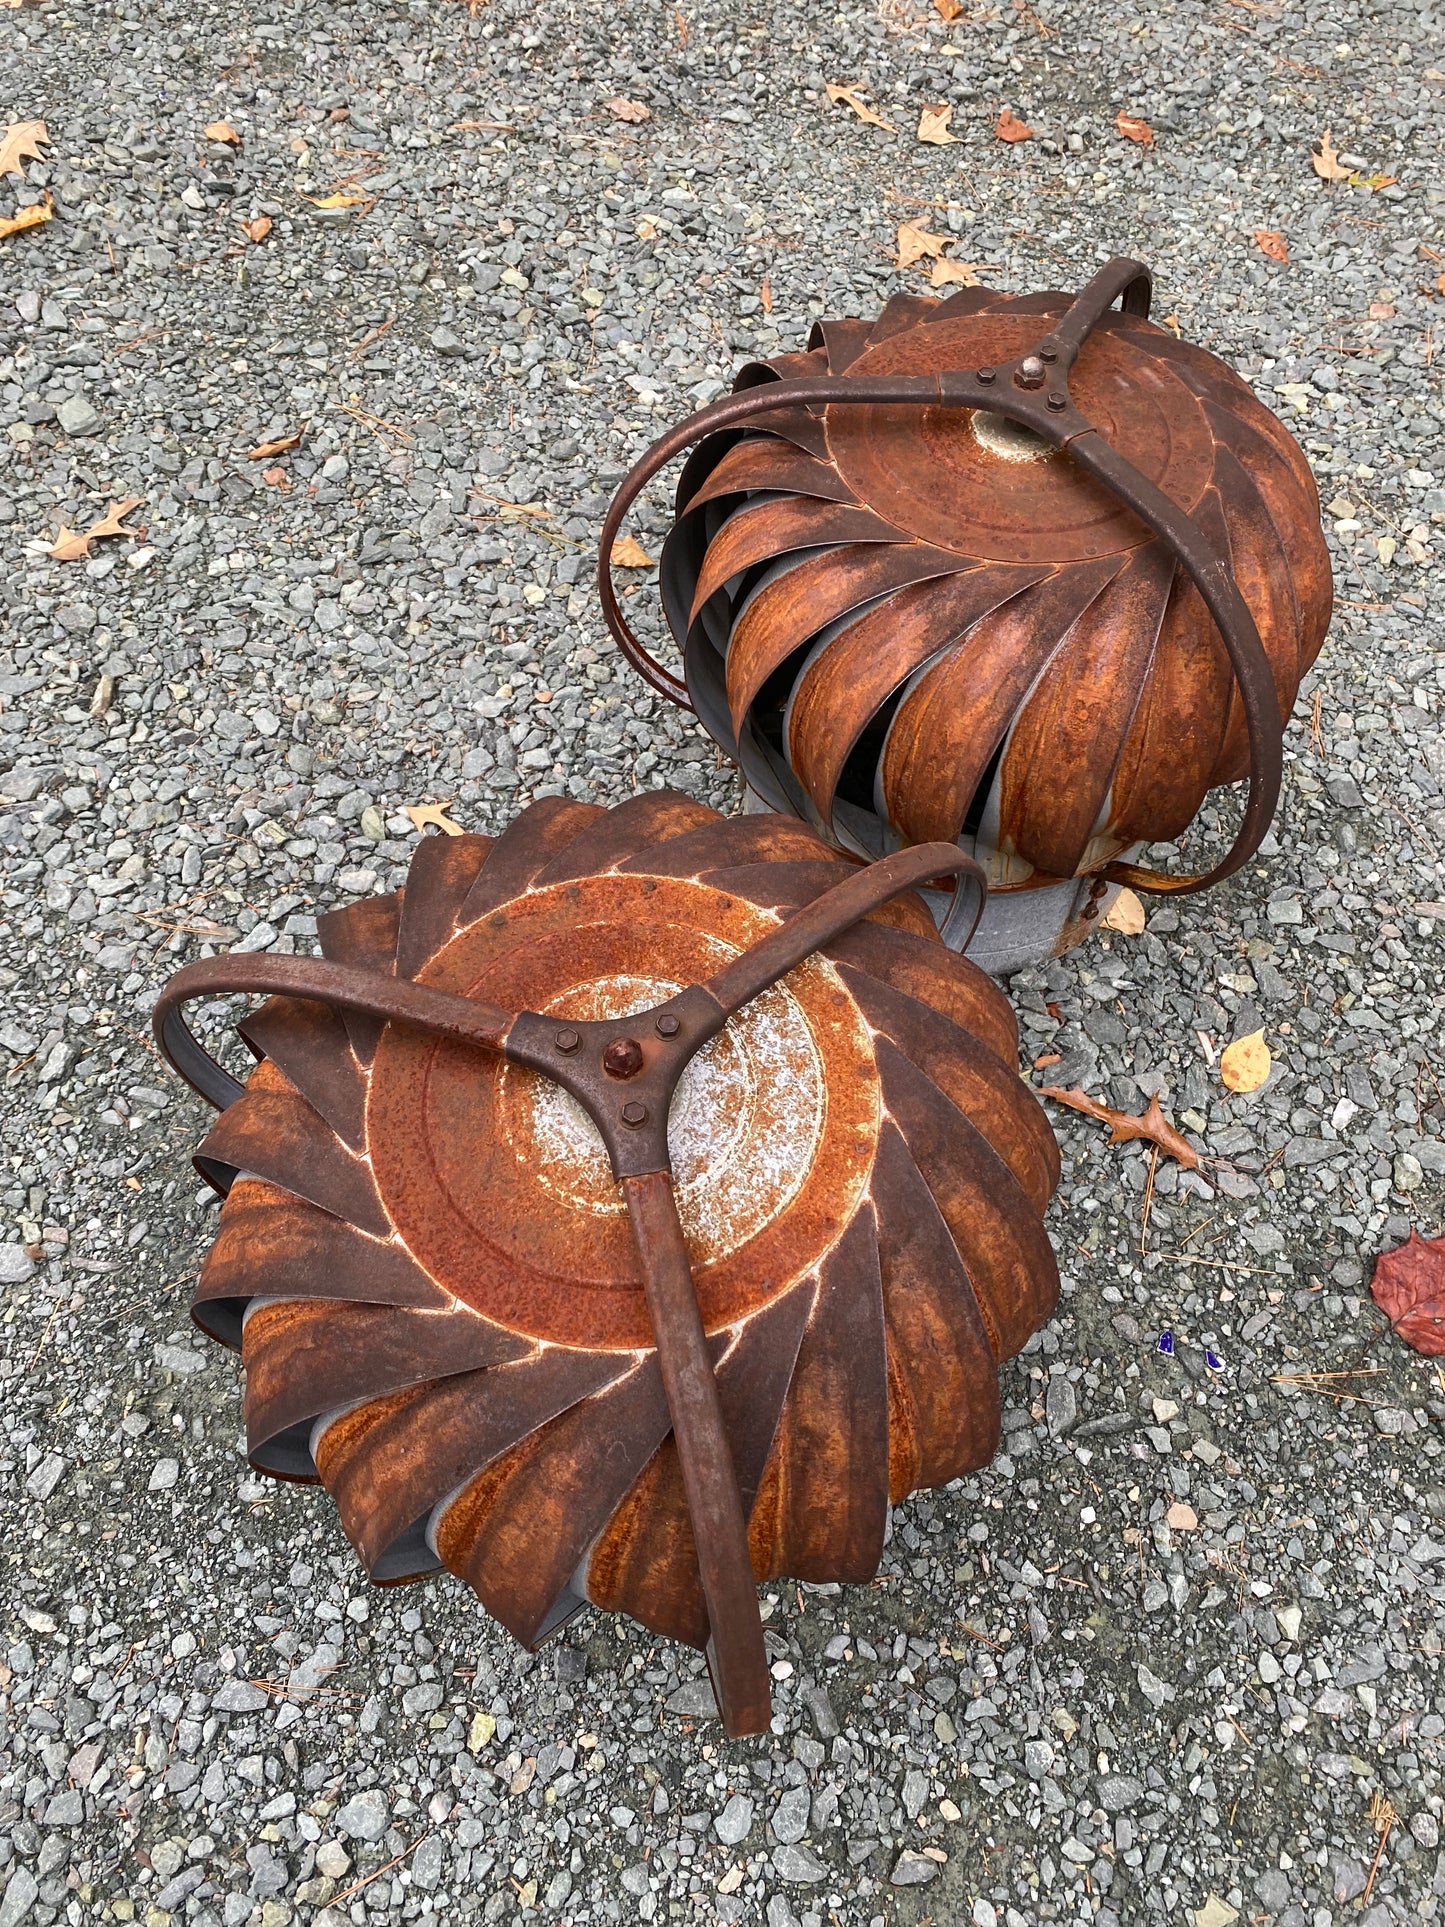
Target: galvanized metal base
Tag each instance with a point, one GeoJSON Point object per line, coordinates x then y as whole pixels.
{"type": "Point", "coordinates": [1018, 927]}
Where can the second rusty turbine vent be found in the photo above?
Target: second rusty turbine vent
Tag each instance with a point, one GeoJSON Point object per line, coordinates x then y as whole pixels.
{"type": "Point", "coordinates": [632, 1339]}
{"type": "Point", "coordinates": [1028, 574]}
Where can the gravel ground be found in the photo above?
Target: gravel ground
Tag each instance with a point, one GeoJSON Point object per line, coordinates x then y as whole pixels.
{"type": "Point", "coordinates": [1169, 1657]}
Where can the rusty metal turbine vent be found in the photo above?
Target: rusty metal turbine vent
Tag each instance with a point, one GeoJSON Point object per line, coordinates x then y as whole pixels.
{"type": "Point", "coordinates": [1047, 578]}
{"type": "Point", "coordinates": [701, 1339]}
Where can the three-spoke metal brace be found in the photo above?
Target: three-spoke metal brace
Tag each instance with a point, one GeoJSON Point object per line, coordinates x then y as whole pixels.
{"type": "Point", "coordinates": [1033, 391]}
{"type": "Point", "coordinates": [623, 1071]}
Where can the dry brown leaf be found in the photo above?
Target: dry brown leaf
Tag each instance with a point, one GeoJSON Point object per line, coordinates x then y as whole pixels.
{"type": "Point", "coordinates": [1153, 1126]}
{"type": "Point", "coordinates": [948, 10]}
{"type": "Point", "coordinates": [282, 445]}
{"type": "Point", "coordinates": [765, 294]}
{"type": "Point", "coordinates": [849, 97]}
{"type": "Point", "coordinates": [628, 553]}
{"type": "Point", "coordinates": [22, 142]}
{"type": "Point", "coordinates": [631, 111]}
{"type": "Point", "coordinates": [1125, 914]}
{"type": "Point", "coordinates": [28, 217]}
{"type": "Point", "coordinates": [1245, 1064]}
{"type": "Point", "coordinates": [224, 132]}
{"type": "Point", "coordinates": [432, 816]}
{"type": "Point", "coordinates": [257, 230]}
{"type": "Point", "coordinates": [1325, 160]}
{"type": "Point", "coordinates": [933, 125]}
{"type": "Point", "coordinates": [1008, 127]}
{"type": "Point", "coordinates": [916, 242]}
{"type": "Point", "coordinates": [1271, 242]}
{"type": "Point", "coordinates": [73, 545]}
{"type": "Point", "coordinates": [1134, 128]}
{"type": "Point", "coordinates": [955, 274]}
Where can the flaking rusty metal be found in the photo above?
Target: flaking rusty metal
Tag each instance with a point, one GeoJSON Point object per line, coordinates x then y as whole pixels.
{"type": "Point", "coordinates": [576, 1354]}
{"type": "Point", "coordinates": [1029, 574]}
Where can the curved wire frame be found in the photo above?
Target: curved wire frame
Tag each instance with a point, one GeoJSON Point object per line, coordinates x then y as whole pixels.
{"type": "Point", "coordinates": [910, 621]}
{"type": "Point", "coordinates": [569, 1376]}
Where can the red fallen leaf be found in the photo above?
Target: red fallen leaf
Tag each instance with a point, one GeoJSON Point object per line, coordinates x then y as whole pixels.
{"type": "Point", "coordinates": [1409, 1287]}
{"type": "Point", "coordinates": [1008, 127]}
{"type": "Point", "coordinates": [1134, 128]}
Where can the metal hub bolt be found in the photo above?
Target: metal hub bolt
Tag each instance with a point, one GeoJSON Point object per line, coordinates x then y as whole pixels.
{"type": "Point", "coordinates": [1031, 372]}
{"type": "Point", "coordinates": [622, 1057]}
{"type": "Point", "coordinates": [668, 1026]}
{"type": "Point", "coordinates": [567, 1041]}
{"type": "Point", "coordinates": [634, 1114]}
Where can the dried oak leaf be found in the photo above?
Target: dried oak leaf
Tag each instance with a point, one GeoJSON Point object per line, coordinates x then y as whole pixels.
{"type": "Point", "coordinates": [948, 10]}
{"type": "Point", "coordinates": [1246, 1063]}
{"type": "Point", "coordinates": [1134, 128]}
{"type": "Point", "coordinates": [432, 816]}
{"type": "Point", "coordinates": [1409, 1287]}
{"type": "Point", "coordinates": [1123, 1126]}
{"type": "Point", "coordinates": [849, 97]}
{"type": "Point", "coordinates": [628, 553]}
{"type": "Point", "coordinates": [22, 142]}
{"type": "Point", "coordinates": [28, 217]}
{"type": "Point", "coordinates": [1125, 914]}
{"type": "Point", "coordinates": [256, 230]}
{"type": "Point", "coordinates": [1271, 242]}
{"type": "Point", "coordinates": [73, 545]}
{"type": "Point", "coordinates": [955, 274]}
{"type": "Point", "coordinates": [631, 111]}
{"type": "Point", "coordinates": [1008, 127]}
{"type": "Point", "coordinates": [933, 125]}
{"type": "Point", "coordinates": [1325, 160]}
{"type": "Point", "coordinates": [916, 242]}
{"type": "Point", "coordinates": [223, 132]}
{"type": "Point", "coordinates": [283, 444]}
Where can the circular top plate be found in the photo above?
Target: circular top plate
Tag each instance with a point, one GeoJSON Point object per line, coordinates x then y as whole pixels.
{"type": "Point", "coordinates": [498, 1181]}
{"type": "Point", "coordinates": [927, 471]}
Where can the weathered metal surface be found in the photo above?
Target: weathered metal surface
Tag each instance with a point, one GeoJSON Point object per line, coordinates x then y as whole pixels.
{"type": "Point", "coordinates": [1028, 574]}
{"type": "Point", "coordinates": [646, 1393]}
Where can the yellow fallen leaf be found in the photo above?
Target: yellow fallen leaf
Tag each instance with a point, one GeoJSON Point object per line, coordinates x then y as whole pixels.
{"type": "Point", "coordinates": [1246, 1063]}
{"type": "Point", "coordinates": [914, 243]}
{"type": "Point", "coordinates": [224, 132]}
{"type": "Point", "coordinates": [1374, 181]}
{"type": "Point", "coordinates": [1134, 128]}
{"type": "Point", "coordinates": [336, 200]}
{"type": "Point", "coordinates": [283, 444]}
{"type": "Point", "coordinates": [850, 98]}
{"type": "Point", "coordinates": [933, 125]}
{"type": "Point", "coordinates": [1325, 160]}
{"type": "Point", "coordinates": [28, 217]}
{"type": "Point", "coordinates": [432, 816]}
{"type": "Point", "coordinates": [955, 274]}
{"type": "Point", "coordinates": [1215, 1913]}
{"type": "Point", "coordinates": [628, 553]}
{"type": "Point", "coordinates": [1385, 549]}
{"type": "Point", "coordinates": [73, 545]}
{"type": "Point", "coordinates": [1181, 1517]}
{"type": "Point", "coordinates": [257, 230]}
{"type": "Point", "coordinates": [1125, 914]}
{"type": "Point", "coordinates": [632, 111]}
{"type": "Point", "coordinates": [22, 142]}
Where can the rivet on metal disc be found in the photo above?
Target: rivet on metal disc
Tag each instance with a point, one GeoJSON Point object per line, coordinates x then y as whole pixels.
{"type": "Point", "coordinates": [667, 1026]}
{"type": "Point", "coordinates": [634, 1114]}
{"type": "Point", "coordinates": [622, 1057]}
{"type": "Point", "coordinates": [567, 1041]}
